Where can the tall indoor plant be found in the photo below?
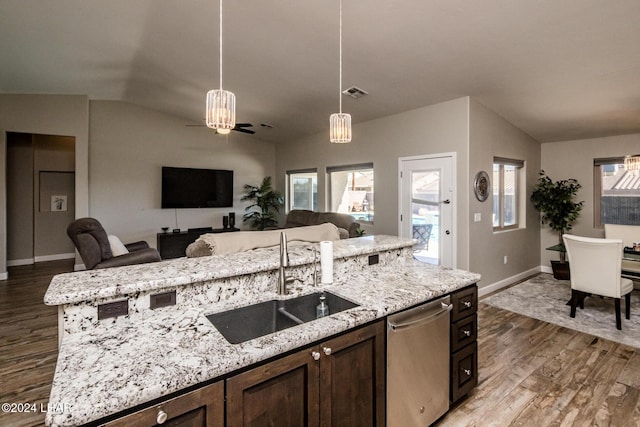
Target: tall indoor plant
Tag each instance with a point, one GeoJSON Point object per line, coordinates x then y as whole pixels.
{"type": "Point", "coordinates": [555, 200]}
{"type": "Point", "coordinates": [265, 204]}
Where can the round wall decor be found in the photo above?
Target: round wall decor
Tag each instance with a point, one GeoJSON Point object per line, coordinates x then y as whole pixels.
{"type": "Point", "coordinates": [481, 185]}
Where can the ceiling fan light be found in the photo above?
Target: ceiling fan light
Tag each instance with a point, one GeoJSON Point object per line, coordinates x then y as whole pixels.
{"type": "Point", "coordinates": [221, 110]}
{"type": "Point", "coordinates": [340, 128]}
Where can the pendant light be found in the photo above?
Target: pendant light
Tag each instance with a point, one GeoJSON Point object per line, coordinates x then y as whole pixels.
{"type": "Point", "coordinates": [340, 123]}
{"type": "Point", "coordinates": [221, 104]}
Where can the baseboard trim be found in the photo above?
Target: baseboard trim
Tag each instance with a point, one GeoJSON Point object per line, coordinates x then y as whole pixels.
{"type": "Point", "coordinates": [485, 290]}
{"type": "Point", "coordinates": [546, 269]}
{"type": "Point", "coordinates": [43, 258]}
{"type": "Point", "coordinates": [56, 257]}
{"type": "Point", "coordinates": [19, 262]}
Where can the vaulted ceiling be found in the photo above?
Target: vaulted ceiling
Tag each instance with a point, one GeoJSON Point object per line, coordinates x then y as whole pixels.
{"type": "Point", "coordinates": [558, 70]}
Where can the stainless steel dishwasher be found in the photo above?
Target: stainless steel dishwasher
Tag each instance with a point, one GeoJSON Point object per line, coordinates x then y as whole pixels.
{"type": "Point", "coordinates": [418, 364]}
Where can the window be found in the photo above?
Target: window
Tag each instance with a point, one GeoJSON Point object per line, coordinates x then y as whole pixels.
{"type": "Point", "coordinates": [507, 183]}
{"type": "Point", "coordinates": [302, 189]}
{"type": "Point", "coordinates": [616, 193]}
{"type": "Point", "coordinates": [351, 191]}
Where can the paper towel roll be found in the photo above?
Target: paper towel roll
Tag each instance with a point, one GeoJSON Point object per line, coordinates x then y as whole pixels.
{"type": "Point", "coordinates": [326, 261]}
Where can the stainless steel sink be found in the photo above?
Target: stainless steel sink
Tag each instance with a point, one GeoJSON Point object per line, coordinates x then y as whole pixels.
{"type": "Point", "coordinates": [253, 321]}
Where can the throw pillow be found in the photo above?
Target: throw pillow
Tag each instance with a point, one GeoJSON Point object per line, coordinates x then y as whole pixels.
{"type": "Point", "coordinates": [117, 247]}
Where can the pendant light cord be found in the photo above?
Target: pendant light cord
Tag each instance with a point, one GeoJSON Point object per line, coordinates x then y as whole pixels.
{"type": "Point", "coordinates": [221, 44]}
{"type": "Point", "coordinates": [340, 88]}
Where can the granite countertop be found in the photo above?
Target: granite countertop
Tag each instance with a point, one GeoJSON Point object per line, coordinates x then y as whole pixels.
{"type": "Point", "coordinates": [113, 282]}
{"type": "Point", "coordinates": [115, 366]}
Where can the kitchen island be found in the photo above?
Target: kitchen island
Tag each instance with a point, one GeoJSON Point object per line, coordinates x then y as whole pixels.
{"type": "Point", "coordinates": [108, 366]}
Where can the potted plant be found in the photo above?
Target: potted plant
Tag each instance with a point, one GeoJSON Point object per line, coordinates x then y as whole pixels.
{"type": "Point", "coordinates": [555, 200]}
{"type": "Point", "coordinates": [265, 204]}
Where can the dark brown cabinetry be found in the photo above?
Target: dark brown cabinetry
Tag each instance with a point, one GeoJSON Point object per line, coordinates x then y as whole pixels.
{"type": "Point", "coordinates": [339, 382]}
{"type": "Point", "coordinates": [203, 407]}
{"type": "Point", "coordinates": [464, 348]}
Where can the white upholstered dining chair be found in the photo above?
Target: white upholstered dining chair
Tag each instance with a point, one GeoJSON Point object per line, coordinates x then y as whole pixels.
{"type": "Point", "coordinates": [596, 269]}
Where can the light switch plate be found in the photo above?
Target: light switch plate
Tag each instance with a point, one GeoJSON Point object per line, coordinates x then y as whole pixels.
{"type": "Point", "coordinates": [477, 217]}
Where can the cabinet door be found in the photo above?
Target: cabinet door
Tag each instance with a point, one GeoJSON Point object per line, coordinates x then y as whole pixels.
{"type": "Point", "coordinates": [281, 393]}
{"type": "Point", "coordinates": [352, 378]}
{"type": "Point", "coordinates": [203, 407]}
{"type": "Point", "coordinates": [464, 371]}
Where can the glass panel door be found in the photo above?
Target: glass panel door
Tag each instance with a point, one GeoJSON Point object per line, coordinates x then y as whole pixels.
{"type": "Point", "coordinates": [425, 214]}
{"type": "Point", "coordinates": [426, 208]}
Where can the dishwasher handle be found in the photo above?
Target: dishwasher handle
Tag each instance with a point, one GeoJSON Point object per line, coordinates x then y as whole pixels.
{"type": "Point", "coordinates": [421, 319]}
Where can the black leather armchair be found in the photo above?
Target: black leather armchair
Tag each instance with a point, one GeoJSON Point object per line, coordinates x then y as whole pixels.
{"type": "Point", "coordinates": [92, 243]}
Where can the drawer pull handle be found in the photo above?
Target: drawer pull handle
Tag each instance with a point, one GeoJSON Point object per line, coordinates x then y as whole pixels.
{"type": "Point", "coordinates": [467, 372]}
{"type": "Point", "coordinates": [327, 350]}
{"type": "Point", "coordinates": [467, 333]}
{"type": "Point", "coordinates": [162, 417]}
{"type": "Point", "coordinates": [467, 304]}
{"type": "Point", "coordinates": [315, 355]}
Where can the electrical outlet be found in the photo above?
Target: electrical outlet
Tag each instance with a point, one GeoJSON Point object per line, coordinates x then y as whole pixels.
{"type": "Point", "coordinates": [506, 259]}
{"type": "Point", "coordinates": [477, 217]}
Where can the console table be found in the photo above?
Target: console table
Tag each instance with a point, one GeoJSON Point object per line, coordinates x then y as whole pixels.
{"type": "Point", "coordinates": [174, 245]}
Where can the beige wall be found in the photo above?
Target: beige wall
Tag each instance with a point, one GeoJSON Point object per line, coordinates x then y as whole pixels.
{"type": "Point", "coordinates": [66, 115]}
{"type": "Point", "coordinates": [434, 129]}
{"type": "Point", "coordinates": [129, 146]}
{"type": "Point", "coordinates": [53, 171]}
{"type": "Point", "coordinates": [491, 135]}
{"type": "Point", "coordinates": [20, 197]}
{"type": "Point", "coordinates": [574, 159]}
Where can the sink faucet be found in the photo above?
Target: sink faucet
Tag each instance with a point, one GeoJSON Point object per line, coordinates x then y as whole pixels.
{"type": "Point", "coordinates": [284, 263]}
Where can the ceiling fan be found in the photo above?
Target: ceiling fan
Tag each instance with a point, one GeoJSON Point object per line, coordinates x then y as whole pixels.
{"type": "Point", "coordinates": [239, 127]}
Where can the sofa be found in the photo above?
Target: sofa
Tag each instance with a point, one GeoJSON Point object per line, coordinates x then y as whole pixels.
{"type": "Point", "coordinates": [240, 241]}
{"type": "Point", "coordinates": [347, 226]}
{"type": "Point", "coordinates": [101, 251]}
{"type": "Point", "coordinates": [629, 234]}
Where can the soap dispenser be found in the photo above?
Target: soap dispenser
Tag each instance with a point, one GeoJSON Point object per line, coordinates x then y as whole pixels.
{"type": "Point", "coordinates": [322, 309]}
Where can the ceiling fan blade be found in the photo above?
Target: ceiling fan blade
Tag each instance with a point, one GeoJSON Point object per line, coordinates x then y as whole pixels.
{"type": "Point", "coordinates": [250, 132]}
{"type": "Point", "coordinates": [240, 127]}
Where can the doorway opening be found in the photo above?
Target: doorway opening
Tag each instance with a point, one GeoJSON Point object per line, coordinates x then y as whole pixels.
{"type": "Point", "coordinates": [40, 189]}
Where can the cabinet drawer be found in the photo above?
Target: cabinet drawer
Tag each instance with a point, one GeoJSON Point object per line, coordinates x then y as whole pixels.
{"type": "Point", "coordinates": [200, 408]}
{"type": "Point", "coordinates": [464, 332]}
{"type": "Point", "coordinates": [465, 303]}
{"type": "Point", "coordinates": [464, 371]}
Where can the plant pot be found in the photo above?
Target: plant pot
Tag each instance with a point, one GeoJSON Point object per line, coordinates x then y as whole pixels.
{"type": "Point", "coordinates": [560, 270]}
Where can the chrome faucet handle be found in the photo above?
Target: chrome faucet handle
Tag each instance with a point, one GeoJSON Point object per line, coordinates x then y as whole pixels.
{"type": "Point", "coordinates": [284, 254]}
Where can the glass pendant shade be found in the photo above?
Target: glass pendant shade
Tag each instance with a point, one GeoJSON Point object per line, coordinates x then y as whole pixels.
{"type": "Point", "coordinates": [340, 128]}
{"type": "Point", "coordinates": [221, 110]}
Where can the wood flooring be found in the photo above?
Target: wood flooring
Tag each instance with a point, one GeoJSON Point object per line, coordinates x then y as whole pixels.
{"type": "Point", "coordinates": [28, 340]}
{"type": "Point", "coordinates": [532, 373]}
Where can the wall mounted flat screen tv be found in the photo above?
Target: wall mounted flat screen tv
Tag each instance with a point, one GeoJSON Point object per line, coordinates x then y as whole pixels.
{"type": "Point", "coordinates": [196, 188]}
